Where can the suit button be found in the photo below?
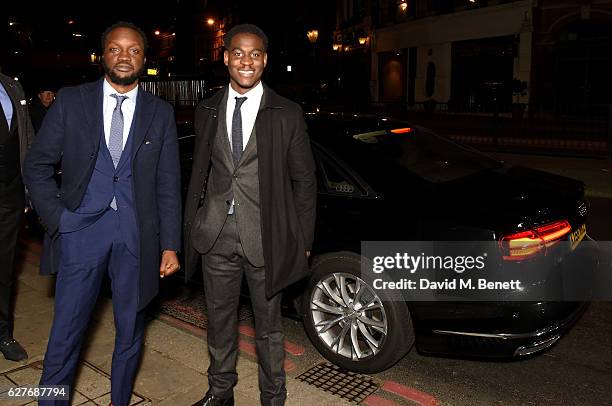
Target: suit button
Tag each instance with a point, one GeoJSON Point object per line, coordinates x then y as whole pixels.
{"type": "Point", "coordinates": [227, 202]}
{"type": "Point", "coordinates": [58, 195]}
{"type": "Point", "coordinates": [92, 155]}
{"type": "Point", "coordinates": [115, 178]}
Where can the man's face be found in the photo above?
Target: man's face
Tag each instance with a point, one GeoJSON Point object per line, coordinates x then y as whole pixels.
{"type": "Point", "coordinates": [46, 97]}
{"type": "Point", "coordinates": [123, 58]}
{"type": "Point", "coordinates": [245, 61]}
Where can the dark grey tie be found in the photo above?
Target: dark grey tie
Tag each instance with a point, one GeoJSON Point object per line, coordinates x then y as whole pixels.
{"type": "Point", "coordinates": [115, 137]}
{"type": "Point", "coordinates": [237, 130]}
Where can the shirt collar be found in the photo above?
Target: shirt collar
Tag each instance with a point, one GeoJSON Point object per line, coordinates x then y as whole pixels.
{"type": "Point", "coordinates": [108, 90]}
{"type": "Point", "coordinates": [253, 94]}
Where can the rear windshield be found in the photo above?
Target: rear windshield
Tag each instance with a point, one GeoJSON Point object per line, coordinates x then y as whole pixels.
{"type": "Point", "coordinates": [428, 155]}
{"type": "Point", "coordinates": [432, 157]}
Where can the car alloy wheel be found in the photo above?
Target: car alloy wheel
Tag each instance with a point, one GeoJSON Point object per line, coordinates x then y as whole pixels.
{"type": "Point", "coordinates": [350, 323]}
{"type": "Point", "coordinates": [348, 316]}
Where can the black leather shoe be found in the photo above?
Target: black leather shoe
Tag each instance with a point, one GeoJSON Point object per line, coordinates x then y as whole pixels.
{"type": "Point", "coordinates": [12, 350]}
{"type": "Point", "coordinates": [212, 400]}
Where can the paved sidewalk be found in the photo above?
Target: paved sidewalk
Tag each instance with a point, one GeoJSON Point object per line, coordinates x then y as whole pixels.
{"type": "Point", "coordinates": [174, 361]}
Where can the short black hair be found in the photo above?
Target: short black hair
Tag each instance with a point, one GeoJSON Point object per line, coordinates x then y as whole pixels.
{"type": "Point", "coordinates": [46, 86]}
{"type": "Point", "coordinates": [245, 29]}
{"type": "Point", "coordinates": [125, 24]}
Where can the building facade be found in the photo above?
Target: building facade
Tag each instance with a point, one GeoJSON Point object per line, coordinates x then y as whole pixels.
{"type": "Point", "coordinates": [484, 55]}
{"type": "Point", "coordinates": [461, 55]}
{"type": "Point", "coordinates": [572, 56]}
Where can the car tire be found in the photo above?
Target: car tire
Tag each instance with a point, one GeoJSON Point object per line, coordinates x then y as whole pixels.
{"type": "Point", "coordinates": [357, 339]}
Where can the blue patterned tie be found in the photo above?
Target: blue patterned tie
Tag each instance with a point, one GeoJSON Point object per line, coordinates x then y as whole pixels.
{"type": "Point", "coordinates": [115, 138]}
{"type": "Point", "coordinates": [237, 130]}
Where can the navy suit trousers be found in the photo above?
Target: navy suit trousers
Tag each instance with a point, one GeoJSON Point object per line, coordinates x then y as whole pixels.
{"type": "Point", "coordinates": [86, 256]}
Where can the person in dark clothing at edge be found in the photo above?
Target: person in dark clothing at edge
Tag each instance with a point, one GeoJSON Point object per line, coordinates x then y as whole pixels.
{"type": "Point", "coordinates": [41, 103]}
{"type": "Point", "coordinates": [16, 135]}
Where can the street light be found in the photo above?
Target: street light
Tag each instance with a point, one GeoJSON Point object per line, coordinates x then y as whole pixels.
{"type": "Point", "coordinates": [210, 21]}
{"type": "Point", "coordinates": [362, 40]}
{"type": "Point", "coordinates": [312, 35]}
{"type": "Point", "coordinates": [156, 32]}
{"type": "Point", "coordinates": [403, 5]}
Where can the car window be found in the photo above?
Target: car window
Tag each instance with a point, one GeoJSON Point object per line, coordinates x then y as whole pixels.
{"type": "Point", "coordinates": [333, 179]}
{"type": "Point", "coordinates": [186, 144]}
{"type": "Point", "coordinates": [386, 152]}
{"type": "Point", "coordinates": [426, 154]}
{"type": "Point", "coordinates": [186, 152]}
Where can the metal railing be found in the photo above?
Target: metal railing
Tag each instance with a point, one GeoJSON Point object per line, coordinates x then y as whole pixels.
{"type": "Point", "coordinates": [180, 93]}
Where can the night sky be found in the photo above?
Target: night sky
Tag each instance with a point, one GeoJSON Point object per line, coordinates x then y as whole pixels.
{"type": "Point", "coordinates": [43, 31]}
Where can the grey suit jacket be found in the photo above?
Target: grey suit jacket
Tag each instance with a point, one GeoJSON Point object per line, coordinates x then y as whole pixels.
{"type": "Point", "coordinates": [228, 182]}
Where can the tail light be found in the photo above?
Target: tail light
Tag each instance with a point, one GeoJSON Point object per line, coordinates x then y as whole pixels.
{"type": "Point", "coordinates": [526, 244]}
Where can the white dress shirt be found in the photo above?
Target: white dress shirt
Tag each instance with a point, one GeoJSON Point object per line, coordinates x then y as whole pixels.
{"type": "Point", "coordinates": [248, 110]}
{"type": "Point", "coordinates": [127, 108]}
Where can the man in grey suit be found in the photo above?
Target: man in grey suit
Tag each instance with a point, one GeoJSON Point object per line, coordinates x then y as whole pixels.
{"type": "Point", "coordinates": [16, 135]}
{"type": "Point", "coordinates": [251, 211]}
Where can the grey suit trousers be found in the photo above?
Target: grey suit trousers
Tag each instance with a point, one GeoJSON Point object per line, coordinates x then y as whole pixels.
{"type": "Point", "coordinates": [223, 267]}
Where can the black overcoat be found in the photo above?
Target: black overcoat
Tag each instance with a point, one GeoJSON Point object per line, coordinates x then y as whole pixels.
{"type": "Point", "coordinates": [287, 185]}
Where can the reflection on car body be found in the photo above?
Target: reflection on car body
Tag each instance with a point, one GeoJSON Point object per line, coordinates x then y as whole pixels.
{"type": "Point", "coordinates": [381, 179]}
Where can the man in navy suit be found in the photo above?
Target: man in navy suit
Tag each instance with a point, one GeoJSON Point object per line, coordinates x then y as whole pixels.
{"type": "Point", "coordinates": [116, 212]}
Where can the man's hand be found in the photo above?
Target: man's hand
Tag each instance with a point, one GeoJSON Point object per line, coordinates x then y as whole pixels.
{"type": "Point", "coordinates": [169, 264]}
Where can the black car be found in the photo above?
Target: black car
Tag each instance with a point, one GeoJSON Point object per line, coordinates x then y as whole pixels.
{"type": "Point", "coordinates": [381, 179]}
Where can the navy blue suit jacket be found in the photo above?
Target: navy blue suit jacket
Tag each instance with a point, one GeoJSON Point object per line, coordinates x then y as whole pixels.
{"type": "Point", "coordinates": [71, 133]}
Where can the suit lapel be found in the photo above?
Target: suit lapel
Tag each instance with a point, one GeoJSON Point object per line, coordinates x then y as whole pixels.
{"type": "Point", "coordinates": [250, 147]}
{"type": "Point", "coordinates": [222, 130]}
{"type": "Point", "coordinates": [263, 127]}
{"type": "Point", "coordinates": [143, 117]}
{"type": "Point", "coordinates": [93, 99]}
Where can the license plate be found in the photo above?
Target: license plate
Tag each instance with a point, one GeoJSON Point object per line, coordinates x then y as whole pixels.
{"type": "Point", "coordinates": [576, 236]}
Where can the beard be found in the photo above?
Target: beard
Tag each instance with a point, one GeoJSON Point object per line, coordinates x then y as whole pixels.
{"type": "Point", "coordinates": [122, 80]}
